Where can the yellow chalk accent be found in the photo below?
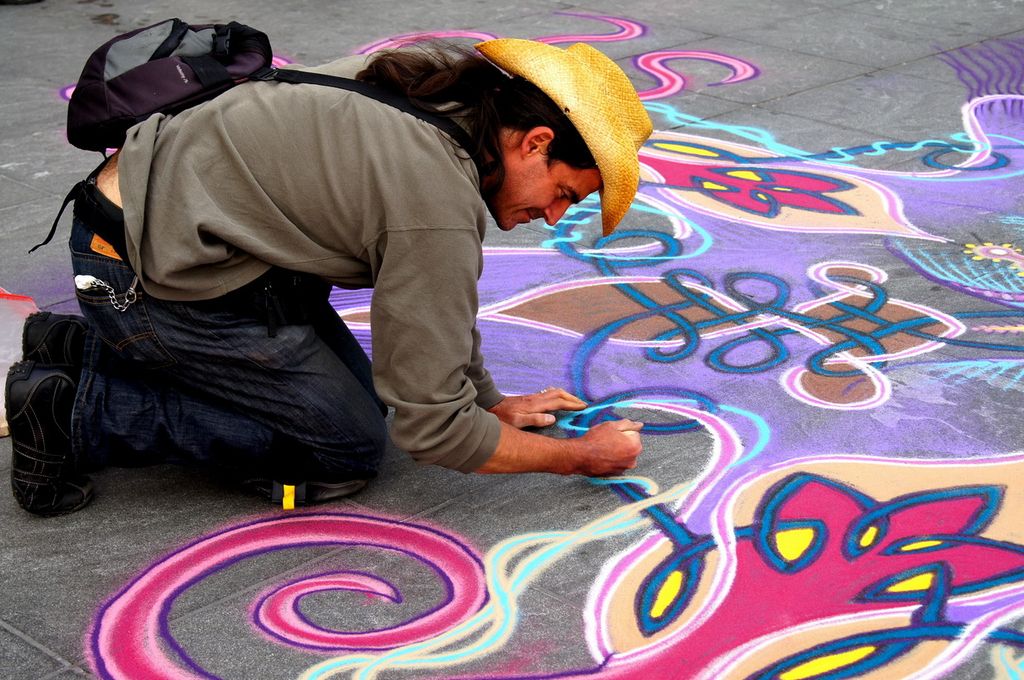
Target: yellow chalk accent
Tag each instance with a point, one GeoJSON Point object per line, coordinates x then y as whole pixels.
{"type": "Point", "coordinates": [920, 545]}
{"type": "Point", "coordinates": [913, 584]}
{"type": "Point", "coordinates": [745, 174]}
{"type": "Point", "coordinates": [667, 594]}
{"type": "Point", "coordinates": [691, 150]}
{"type": "Point", "coordinates": [792, 543]}
{"type": "Point", "coordinates": [713, 186]}
{"type": "Point", "coordinates": [824, 664]}
{"type": "Point", "coordinates": [288, 497]}
{"type": "Point", "coordinates": [868, 537]}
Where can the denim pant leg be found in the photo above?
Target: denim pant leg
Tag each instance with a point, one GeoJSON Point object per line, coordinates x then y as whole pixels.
{"type": "Point", "coordinates": [323, 416]}
{"type": "Point", "coordinates": [124, 421]}
{"type": "Point", "coordinates": [187, 383]}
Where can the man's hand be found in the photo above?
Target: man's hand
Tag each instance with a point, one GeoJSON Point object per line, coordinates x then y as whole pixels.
{"type": "Point", "coordinates": [605, 450]}
{"type": "Point", "coordinates": [534, 410]}
{"type": "Point", "coordinates": [609, 449]}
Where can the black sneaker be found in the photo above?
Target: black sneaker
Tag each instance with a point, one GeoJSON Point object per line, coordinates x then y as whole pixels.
{"type": "Point", "coordinates": [54, 339]}
{"type": "Point", "coordinates": [39, 400]}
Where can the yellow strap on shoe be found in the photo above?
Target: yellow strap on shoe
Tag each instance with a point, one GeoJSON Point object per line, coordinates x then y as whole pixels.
{"type": "Point", "coordinates": [288, 497]}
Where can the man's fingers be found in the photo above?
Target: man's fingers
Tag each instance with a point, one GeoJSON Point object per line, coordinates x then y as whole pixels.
{"type": "Point", "coordinates": [557, 399]}
{"type": "Point", "coordinates": [572, 404]}
{"type": "Point", "coordinates": [534, 420]}
{"type": "Point", "coordinates": [628, 426]}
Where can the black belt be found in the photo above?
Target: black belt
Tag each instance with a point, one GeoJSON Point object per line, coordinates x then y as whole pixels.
{"type": "Point", "coordinates": [103, 217]}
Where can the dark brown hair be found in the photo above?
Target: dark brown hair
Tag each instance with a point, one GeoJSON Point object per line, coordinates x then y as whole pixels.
{"type": "Point", "coordinates": [436, 76]}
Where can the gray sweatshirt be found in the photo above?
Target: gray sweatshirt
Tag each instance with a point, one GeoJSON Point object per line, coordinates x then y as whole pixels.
{"type": "Point", "coordinates": [325, 181]}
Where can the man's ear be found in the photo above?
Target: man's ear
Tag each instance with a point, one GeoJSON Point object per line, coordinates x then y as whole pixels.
{"type": "Point", "coordinates": [536, 140]}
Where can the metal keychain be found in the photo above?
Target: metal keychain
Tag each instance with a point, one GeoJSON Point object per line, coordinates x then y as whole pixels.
{"type": "Point", "coordinates": [85, 282]}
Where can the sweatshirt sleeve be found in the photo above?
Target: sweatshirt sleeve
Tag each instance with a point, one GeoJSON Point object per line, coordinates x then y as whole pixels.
{"type": "Point", "coordinates": [426, 349]}
{"type": "Point", "coordinates": [487, 394]}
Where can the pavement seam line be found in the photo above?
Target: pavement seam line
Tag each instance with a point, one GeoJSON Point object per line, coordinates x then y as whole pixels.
{"type": "Point", "coordinates": [38, 646]}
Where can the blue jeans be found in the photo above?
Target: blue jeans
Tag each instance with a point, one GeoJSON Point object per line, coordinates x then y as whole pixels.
{"type": "Point", "coordinates": [205, 383]}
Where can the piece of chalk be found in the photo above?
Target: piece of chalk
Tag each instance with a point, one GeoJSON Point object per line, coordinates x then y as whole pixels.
{"type": "Point", "coordinates": [288, 497]}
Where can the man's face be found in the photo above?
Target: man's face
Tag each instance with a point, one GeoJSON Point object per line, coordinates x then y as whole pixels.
{"type": "Point", "coordinates": [533, 188]}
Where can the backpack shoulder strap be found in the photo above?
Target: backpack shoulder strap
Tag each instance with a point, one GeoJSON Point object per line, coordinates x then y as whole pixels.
{"type": "Point", "coordinates": [447, 125]}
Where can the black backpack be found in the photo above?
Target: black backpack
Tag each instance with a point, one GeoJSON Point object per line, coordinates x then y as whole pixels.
{"type": "Point", "coordinates": [166, 68]}
{"type": "Point", "coordinates": [171, 66]}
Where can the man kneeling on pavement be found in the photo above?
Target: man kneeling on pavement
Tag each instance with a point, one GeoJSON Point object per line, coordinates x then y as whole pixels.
{"type": "Point", "coordinates": [213, 340]}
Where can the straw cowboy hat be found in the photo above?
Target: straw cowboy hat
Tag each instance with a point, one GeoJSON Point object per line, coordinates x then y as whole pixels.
{"type": "Point", "coordinates": [600, 102]}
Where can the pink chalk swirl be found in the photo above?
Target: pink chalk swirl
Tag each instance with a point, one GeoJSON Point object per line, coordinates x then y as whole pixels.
{"type": "Point", "coordinates": [626, 30]}
{"type": "Point", "coordinates": [130, 636]}
{"type": "Point", "coordinates": [670, 82]}
{"type": "Point", "coordinates": [412, 38]}
{"type": "Point", "coordinates": [279, 615]}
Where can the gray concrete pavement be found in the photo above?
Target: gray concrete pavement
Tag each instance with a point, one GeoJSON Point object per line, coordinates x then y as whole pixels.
{"type": "Point", "coordinates": [816, 304]}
